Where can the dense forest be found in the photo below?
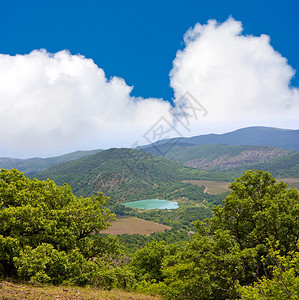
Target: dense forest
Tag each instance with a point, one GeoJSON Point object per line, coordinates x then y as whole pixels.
{"type": "Point", "coordinates": [246, 249]}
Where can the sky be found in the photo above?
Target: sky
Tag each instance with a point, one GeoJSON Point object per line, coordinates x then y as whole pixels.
{"type": "Point", "coordinates": [79, 75]}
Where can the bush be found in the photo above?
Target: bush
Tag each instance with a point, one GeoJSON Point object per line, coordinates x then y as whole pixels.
{"type": "Point", "coordinates": [49, 235]}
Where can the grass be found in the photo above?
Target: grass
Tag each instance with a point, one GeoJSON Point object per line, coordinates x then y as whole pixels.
{"type": "Point", "coordinates": [9, 291]}
{"type": "Point", "coordinates": [133, 225]}
{"type": "Point", "coordinates": [212, 187]}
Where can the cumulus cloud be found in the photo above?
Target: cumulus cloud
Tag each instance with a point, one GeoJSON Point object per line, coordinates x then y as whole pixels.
{"type": "Point", "coordinates": [56, 103]}
{"type": "Point", "coordinates": [52, 103]}
{"type": "Point", "coordinates": [240, 80]}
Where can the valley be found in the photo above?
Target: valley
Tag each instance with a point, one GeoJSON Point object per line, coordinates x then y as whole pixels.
{"type": "Point", "coordinates": [194, 174]}
{"type": "Point", "coordinates": [99, 196]}
{"type": "Point", "coordinates": [149, 150]}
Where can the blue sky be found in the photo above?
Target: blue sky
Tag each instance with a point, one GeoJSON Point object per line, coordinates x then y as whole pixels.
{"type": "Point", "coordinates": [136, 41]}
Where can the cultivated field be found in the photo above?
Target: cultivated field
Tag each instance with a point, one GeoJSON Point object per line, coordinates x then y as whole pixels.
{"type": "Point", "coordinates": [212, 187]}
{"type": "Point", "coordinates": [15, 291]}
{"type": "Point", "coordinates": [133, 225]}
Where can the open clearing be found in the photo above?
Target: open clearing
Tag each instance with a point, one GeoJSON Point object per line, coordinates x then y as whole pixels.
{"type": "Point", "coordinates": [14, 291]}
{"type": "Point", "coordinates": [133, 225]}
{"type": "Point", "coordinates": [212, 187]}
{"type": "Point", "coordinates": [218, 187]}
{"type": "Point", "coordinates": [291, 182]}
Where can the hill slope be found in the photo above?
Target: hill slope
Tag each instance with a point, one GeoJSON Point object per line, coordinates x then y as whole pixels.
{"type": "Point", "coordinates": [37, 164]}
{"type": "Point", "coordinates": [223, 157]}
{"type": "Point", "coordinates": [128, 174]}
{"type": "Point", "coordinates": [280, 167]}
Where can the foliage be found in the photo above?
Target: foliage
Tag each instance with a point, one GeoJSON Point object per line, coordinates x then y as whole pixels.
{"type": "Point", "coordinates": [283, 285]}
{"type": "Point", "coordinates": [49, 235]}
{"type": "Point", "coordinates": [257, 209]}
{"type": "Point", "coordinates": [282, 166]}
{"type": "Point", "coordinates": [132, 242]}
{"type": "Point", "coordinates": [206, 268]}
{"type": "Point", "coordinates": [230, 250]}
{"type": "Point", "coordinates": [247, 249]}
{"type": "Point", "coordinates": [146, 262]}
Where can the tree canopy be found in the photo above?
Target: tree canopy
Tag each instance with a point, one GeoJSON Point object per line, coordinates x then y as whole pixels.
{"type": "Point", "coordinates": [248, 249]}
{"type": "Point", "coordinates": [48, 234]}
{"type": "Point", "coordinates": [232, 249]}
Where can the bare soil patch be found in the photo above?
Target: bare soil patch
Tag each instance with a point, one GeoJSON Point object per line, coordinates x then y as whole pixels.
{"type": "Point", "coordinates": [133, 225]}
{"type": "Point", "coordinates": [212, 187]}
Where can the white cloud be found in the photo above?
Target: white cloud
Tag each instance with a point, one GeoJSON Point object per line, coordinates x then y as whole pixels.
{"type": "Point", "coordinates": [241, 80]}
{"type": "Point", "coordinates": [53, 103]}
{"type": "Point", "coordinates": [56, 103]}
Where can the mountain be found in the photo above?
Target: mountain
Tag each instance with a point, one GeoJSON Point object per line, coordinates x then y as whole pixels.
{"type": "Point", "coordinates": [175, 149]}
{"type": "Point", "coordinates": [129, 174]}
{"type": "Point", "coordinates": [252, 136]}
{"type": "Point", "coordinates": [214, 156]}
{"type": "Point", "coordinates": [280, 167]}
{"type": "Point", "coordinates": [37, 164]}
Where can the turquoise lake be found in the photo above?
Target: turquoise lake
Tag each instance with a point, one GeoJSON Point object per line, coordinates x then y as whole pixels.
{"type": "Point", "coordinates": [152, 204]}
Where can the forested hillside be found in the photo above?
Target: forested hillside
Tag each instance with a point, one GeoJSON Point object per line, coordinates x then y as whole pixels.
{"type": "Point", "coordinates": [128, 174]}
{"type": "Point", "coordinates": [37, 164]}
{"type": "Point", "coordinates": [281, 167]}
{"type": "Point", "coordinates": [284, 166]}
{"type": "Point", "coordinates": [213, 156]}
{"type": "Point", "coordinates": [232, 161]}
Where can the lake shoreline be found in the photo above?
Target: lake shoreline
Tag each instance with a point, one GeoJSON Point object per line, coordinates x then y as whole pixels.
{"type": "Point", "coordinates": [152, 204]}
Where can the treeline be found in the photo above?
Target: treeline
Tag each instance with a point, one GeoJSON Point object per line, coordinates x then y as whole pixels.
{"type": "Point", "coordinates": [247, 249]}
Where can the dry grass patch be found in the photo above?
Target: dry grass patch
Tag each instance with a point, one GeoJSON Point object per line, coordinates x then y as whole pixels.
{"type": "Point", "coordinates": [291, 182]}
{"type": "Point", "coordinates": [133, 225]}
{"type": "Point", "coordinates": [212, 187]}
{"type": "Point", "coordinates": [9, 291]}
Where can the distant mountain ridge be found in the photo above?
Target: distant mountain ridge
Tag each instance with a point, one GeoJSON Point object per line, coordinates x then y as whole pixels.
{"type": "Point", "coordinates": [262, 148]}
{"type": "Point", "coordinates": [37, 164]}
{"type": "Point", "coordinates": [251, 136]}
{"type": "Point", "coordinates": [237, 149]}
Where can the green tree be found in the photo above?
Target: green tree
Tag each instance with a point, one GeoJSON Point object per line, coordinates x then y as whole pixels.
{"type": "Point", "coordinates": [146, 262]}
{"type": "Point", "coordinates": [283, 285]}
{"type": "Point", "coordinates": [231, 248]}
{"type": "Point", "coordinates": [259, 210]}
{"type": "Point", "coordinates": [48, 234]}
{"type": "Point", "coordinates": [206, 268]}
